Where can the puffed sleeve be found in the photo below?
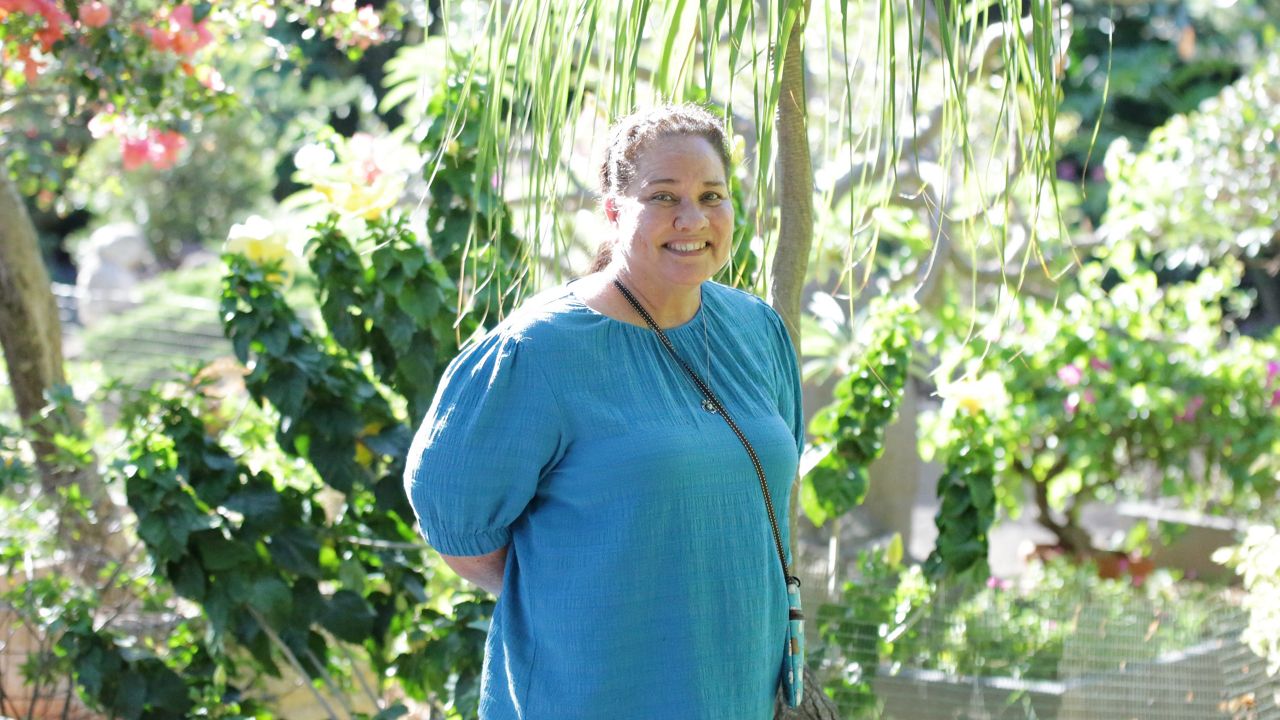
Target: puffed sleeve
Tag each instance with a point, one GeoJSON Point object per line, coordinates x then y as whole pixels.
{"type": "Point", "coordinates": [787, 383]}
{"type": "Point", "coordinates": [493, 431]}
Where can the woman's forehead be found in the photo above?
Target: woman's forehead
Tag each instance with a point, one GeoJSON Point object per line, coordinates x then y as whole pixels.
{"type": "Point", "coordinates": [679, 159]}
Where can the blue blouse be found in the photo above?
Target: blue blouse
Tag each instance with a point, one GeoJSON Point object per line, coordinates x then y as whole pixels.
{"type": "Point", "coordinates": [641, 578]}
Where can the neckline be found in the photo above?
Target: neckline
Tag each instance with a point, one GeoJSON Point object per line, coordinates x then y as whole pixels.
{"type": "Point", "coordinates": [696, 319]}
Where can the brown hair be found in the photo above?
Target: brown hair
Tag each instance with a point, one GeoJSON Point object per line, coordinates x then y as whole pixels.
{"type": "Point", "coordinates": [632, 133]}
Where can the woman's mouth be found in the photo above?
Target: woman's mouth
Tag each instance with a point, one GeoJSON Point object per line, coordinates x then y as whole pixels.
{"type": "Point", "coordinates": [687, 248]}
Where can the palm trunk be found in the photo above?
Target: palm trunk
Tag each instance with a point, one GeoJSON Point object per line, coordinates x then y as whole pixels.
{"type": "Point", "coordinates": [795, 186]}
{"type": "Point", "coordinates": [791, 263]}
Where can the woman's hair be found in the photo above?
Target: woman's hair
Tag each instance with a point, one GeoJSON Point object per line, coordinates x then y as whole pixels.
{"type": "Point", "coordinates": [630, 136]}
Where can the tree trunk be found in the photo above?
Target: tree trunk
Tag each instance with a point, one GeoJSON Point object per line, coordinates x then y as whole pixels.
{"type": "Point", "coordinates": [29, 328]}
{"type": "Point", "coordinates": [795, 186]}
{"type": "Point", "coordinates": [791, 262]}
{"type": "Point", "coordinates": [31, 336]}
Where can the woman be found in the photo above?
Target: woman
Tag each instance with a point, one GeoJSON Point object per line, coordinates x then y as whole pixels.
{"type": "Point", "coordinates": [568, 464]}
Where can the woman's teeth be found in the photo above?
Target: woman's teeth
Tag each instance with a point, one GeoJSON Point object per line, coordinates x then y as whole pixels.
{"type": "Point", "coordinates": [687, 247]}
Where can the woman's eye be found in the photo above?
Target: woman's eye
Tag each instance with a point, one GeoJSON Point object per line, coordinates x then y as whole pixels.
{"type": "Point", "coordinates": [712, 198]}
{"type": "Point", "coordinates": [663, 197]}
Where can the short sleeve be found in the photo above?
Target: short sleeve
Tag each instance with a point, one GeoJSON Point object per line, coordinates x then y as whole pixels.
{"type": "Point", "coordinates": [787, 383]}
{"type": "Point", "coordinates": [493, 431]}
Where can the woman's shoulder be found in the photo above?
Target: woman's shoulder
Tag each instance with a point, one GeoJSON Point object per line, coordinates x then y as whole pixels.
{"type": "Point", "coordinates": [739, 303]}
{"type": "Point", "coordinates": [538, 319]}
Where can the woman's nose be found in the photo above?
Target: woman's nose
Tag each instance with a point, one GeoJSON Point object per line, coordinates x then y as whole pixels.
{"type": "Point", "coordinates": [690, 217]}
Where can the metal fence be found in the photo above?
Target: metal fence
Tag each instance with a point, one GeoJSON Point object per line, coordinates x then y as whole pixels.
{"type": "Point", "coordinates": [1049, 653]}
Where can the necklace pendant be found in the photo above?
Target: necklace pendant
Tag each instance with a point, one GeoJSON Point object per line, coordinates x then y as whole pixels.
{"type": "Point", "coordinates": [708, 405]}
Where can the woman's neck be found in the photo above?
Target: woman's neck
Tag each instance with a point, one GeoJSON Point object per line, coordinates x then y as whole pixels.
{"type": "Point", "coordinates": [669, 306]}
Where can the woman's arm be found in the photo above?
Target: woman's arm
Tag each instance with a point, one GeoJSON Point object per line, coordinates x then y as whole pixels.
{"type": "Point", "coordinates": [483, 570]}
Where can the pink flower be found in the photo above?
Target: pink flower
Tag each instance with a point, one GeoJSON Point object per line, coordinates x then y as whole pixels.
{"type": "Point", "coordinates": [1193, 406]}
{"type": "Point", "coordinates": [1273, 369]}
{"type": "Point", "coordinates": [1275, 399]}
{"type": "Point", "coordinates": [165, 148]}
{"type": "Point", "coordinates": [1099, 365]}
{"type": "Point", "coordinates": [134, 152]}
{"type": "Point", "coordinates": [159, 149]}
{"type": "Point", "coordinates": [180, 32]}
{"type": "Point", "coordinates": [94, 14]}
{"type": "Point", "coordinates": [996, 583]}
{"type": "Point", "coordinates": [1070, 375]}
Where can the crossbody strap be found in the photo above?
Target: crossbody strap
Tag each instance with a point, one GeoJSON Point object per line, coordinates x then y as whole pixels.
{"type": "Point", "coordinates": [710, 395]}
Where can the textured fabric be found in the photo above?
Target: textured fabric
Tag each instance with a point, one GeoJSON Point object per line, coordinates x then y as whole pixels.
{"type": "Point", "coordinates": [641, 580]}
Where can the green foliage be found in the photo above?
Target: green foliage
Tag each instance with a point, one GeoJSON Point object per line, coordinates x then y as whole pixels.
{"type": "Point", "coordinates": [850, 431]}
{"type": "Point", "coordinates": [310, 564]}
{"type": "Point", "coordinates": [14, 470]}
{"type": "Point", "coordinates": [1257, 561]}
{"type": "Point", "coordinates": [1132, 66]}
{"type": "Point", "coordinates": [1207, 184]}
{"type": "Point", "coordinates": [326, 402]}
{"type": "Point", "coordinates": [966, 493]}
{"type": "Point", "coordinates": [1123, 381]}
{"type": "Point", "coordinates": [398, 306]}
{"type": "Point", "coordinates": [469, 224]}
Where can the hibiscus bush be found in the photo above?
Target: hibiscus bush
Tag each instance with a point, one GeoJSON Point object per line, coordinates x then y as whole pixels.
{"type": "Point", "coordinates": [141, 72]}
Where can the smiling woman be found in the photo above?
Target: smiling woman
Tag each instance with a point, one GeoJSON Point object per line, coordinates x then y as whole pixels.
{"type": "Point", "coordinates": [585, 461]}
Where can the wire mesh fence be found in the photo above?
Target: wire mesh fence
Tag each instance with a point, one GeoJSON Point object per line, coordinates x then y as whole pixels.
{"type": "Point", "coordinates": [902, 650]}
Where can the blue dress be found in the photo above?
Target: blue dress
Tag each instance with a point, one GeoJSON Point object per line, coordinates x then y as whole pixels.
{"type": "Point", "coordinates": [641, 579]}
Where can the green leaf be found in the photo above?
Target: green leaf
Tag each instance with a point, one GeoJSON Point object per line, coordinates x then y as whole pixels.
{"type": "Point", "coordinates": [271, 597]}
{"type": "Point", "coordinates": [259, 506]}
{"type": "Point", "coordinates": [296, 550]}
{"type": "Point", "coordinates": [130, 696]}
{"type": "Point", "coordinates": [348, 617]}
{"type": "Point", "coordinates": [218, 553]}
{"type": "Point", "coordinates": [420, 301]}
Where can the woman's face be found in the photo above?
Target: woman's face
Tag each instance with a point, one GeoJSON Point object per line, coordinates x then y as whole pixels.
{"type": "Point", "coordinates": [675, 221]}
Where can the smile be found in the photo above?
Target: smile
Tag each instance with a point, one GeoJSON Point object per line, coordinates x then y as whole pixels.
{"type": "Point", "coordinates": [685, 247]}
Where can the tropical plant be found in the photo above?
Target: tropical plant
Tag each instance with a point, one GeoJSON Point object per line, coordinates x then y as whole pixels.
{"type": "Point", "coordinates": [1207, 184]}
{"type": "Point", "coordinates": [138, 71]}
{"type": "Point", "coordinates": [1257, 561]}
{"type": "Point", "coordinates": [1124, 382]}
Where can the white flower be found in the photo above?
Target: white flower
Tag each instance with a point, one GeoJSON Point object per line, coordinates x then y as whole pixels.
{"type": "Point", "coordinates": [313, 159]}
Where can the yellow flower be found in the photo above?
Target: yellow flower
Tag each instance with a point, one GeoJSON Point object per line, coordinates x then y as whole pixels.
{"type": "Point", "coordinates": [258, 240]}
{"type": "Point", "coordinates": [363, 176]}
{"type": "Point", "coordinates": [367, 200]}
{"type": "Point", "coordinates": [364, 456]}
{"type": "Point", "coordinates": [974, 395]}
